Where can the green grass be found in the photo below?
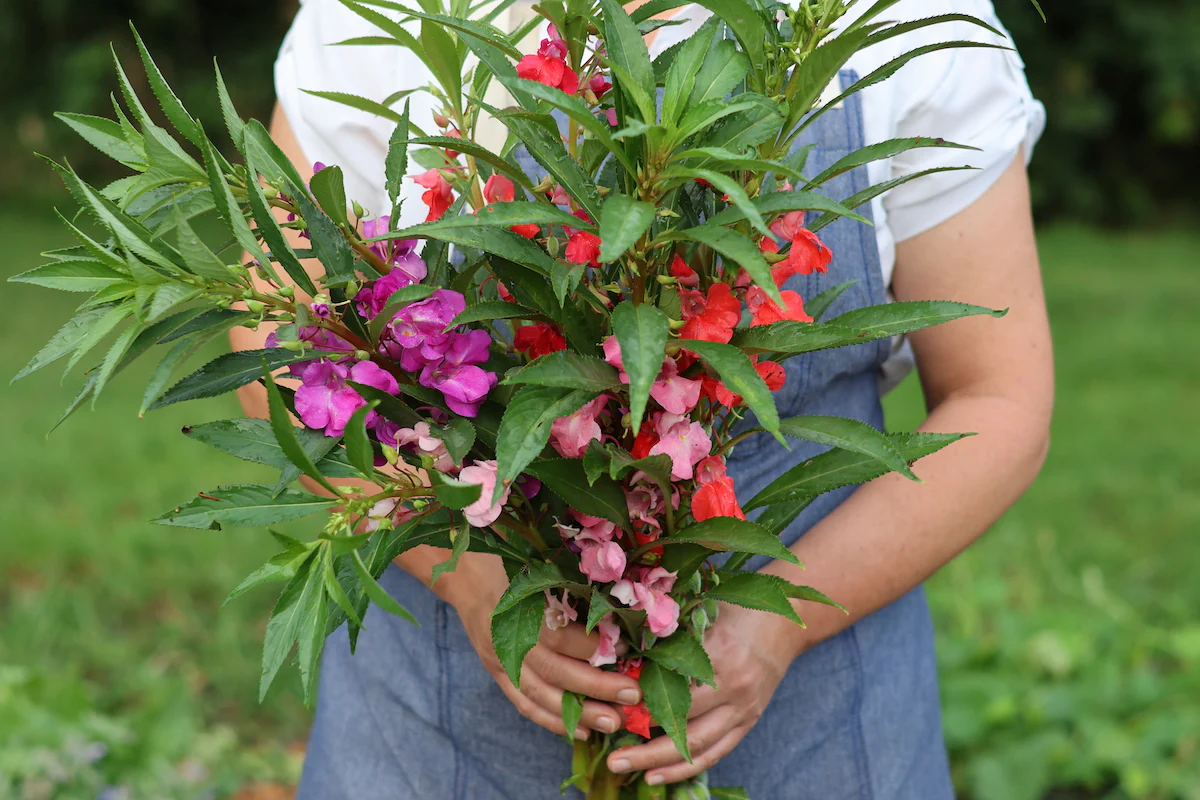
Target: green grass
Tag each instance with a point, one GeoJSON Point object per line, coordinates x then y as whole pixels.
{"type": "Point", "coordinates": [1067, 636]}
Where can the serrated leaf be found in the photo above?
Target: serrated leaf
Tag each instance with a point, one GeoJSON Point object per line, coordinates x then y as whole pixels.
{"type": "Point", "coordinates": [740, 377]}
{"type": "Point", "coordinates": [396, 163]}
{"type": "Point", "coordinates": [399, 299]}
{"type": "Point", "coordinates": [65, 341]}
{"type": "Point", "coordinates": [681, 653]}
{"type": "Point", "coordinates": [228, 372]}
{"type": "Point", "coordinates": [280, 567]}
{"type": "Point", "coordinates": [515, 632]}
{"type": "Point", "coordinates": [879, 151]}
{"type": "Point", "coordinates": [817, 306]}
{"type": "Point", "coordinates": [568, 370]}
{"type": "Point", "coordinates": [681, 75]}
{"type": "Point", "coordinates": [377, 593]}
{"type": "Point", "coordinates": [626, 50]}
{"type": "Point", "coordinates": [730, 188]}
{"type": "Point", "coordinates": [492, 309]}
{"type": "Point", "coordinates": [453, 493]}
{"type": "Point", "coordinates": [736, 535]}
{"type": "Point", "coordinates": [458, 435]}
{"type": "Point", "coordinates": [328, 187]}
{"type": "Point", "coordinates": [293, 603]}
{"type": "Point", "coordinates": [253, 440]}
{"type": "Point", "coordinates": [170, 103]}
{"type": "Point", "coordinates": [461, 540]}
{"type": "Point", "coordinates": [525, 428]}
{"type": "Point", "coordinates": [357, 102]}
{"type": "Point", "coordinates": [535, 578]}
{"type": "Point", "coordinates": [837, 468]}
{"type": "Point", "coordinates": [848, 434]}
{"type": "Point", "coordinates": [572, 710]}
{"type": "Point", "coordinates": [598, 608]}
{"type": "Point", "coordinates": [623, 220]}
{"type": "Point", "coordinates": [104, 135]}
{"type": "Point", "coordinates": [668, 696]}
{"type": "Point", "coordinates": [567, 479]}
{"type": "Point", "coordinates": [642, 331]}
{"type": "Point", "coordinates": [736, 249]}
{"type": "Point", "coordinates": [244, 505]}
{"type": "Point", "coordinates": [358, 443]}
{"type": "Point", "coordinates": [723, 68]}
{"type": "Point", "coordinates": [334, 589]}
{"type": "Point", "coordinates": [756, 591]}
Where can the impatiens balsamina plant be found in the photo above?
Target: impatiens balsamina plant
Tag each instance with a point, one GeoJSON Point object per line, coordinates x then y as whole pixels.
{"type": "Point", "coordinates": [553, 367]}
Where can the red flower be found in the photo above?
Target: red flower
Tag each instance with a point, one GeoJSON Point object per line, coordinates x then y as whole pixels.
{"type": "Point", "coordinates": [764, 310]}
{"type": "Point", "coordinates": [583, 248]}
{"type": "Point", "coordinates": [498, 189]}
{"type": "Point", "coordinates": [539, 339]}
{"type": "Point", "coordinates": [772, 373]}
{"type": "Point", "coordinates": [808, 254]}
{"type": "Point", "coordinates": [528, 230]}
{"type": "Point", "coordinates": [437, 196]}
{"type": "Point", "coordinates": [710, 319]}
{"type": "Point", "coordinates": [716, 496]}
{"type": "Point", "coordinates": [550, 71]}
{"type": "Point", "coordinates": [646, 439]}
{"type": "Point", "coordinates": [683, 273]}
{"type": "Point", "coordinates": [715, 391]}
{"type": "Point", "coordinates": [504, 293]}
{"type": "Point", "coordinates": [637, 718]}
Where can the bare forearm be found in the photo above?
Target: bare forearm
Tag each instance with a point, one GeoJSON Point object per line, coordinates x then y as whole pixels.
{"type": "Point", "coordinates": [893, 533]}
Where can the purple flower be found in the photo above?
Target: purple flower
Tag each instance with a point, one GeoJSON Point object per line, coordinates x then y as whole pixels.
{"type": "Point", "coordinates": [318, 166]}
{"type": "Point", "coordinates": [417, 335]}
{"type": "Point", "coordinates": [456, 376]}
{"type": "Point", "coordinates": [326, 401]}
{"type": "Point", "coordinates": [400, 253]}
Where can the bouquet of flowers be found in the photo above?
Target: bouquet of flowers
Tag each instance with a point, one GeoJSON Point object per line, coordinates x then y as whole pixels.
{"type": "Point", "coordinates": [554, 366]}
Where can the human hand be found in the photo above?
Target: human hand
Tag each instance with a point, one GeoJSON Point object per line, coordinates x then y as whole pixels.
{"type": "Point", "coordinates": [750, 653]}
{"type": "Point", "coordinates": [557, 664]}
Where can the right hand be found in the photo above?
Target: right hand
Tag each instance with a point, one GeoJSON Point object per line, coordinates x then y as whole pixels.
{"type": "Point", "coordinates": [557, 663]}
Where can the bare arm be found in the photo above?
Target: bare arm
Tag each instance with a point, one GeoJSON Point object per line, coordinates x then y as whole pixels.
{"type": "Point", "coordinates": [993, 377]}
{"type": "Point", "coordinates": [473, 588]}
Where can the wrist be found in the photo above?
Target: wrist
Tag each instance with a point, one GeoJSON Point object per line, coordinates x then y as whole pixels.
{"type": "Point", "coordinates": [477, 582]}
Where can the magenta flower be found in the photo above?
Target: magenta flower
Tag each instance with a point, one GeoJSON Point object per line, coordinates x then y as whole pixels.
{"type": "Point", "coordinates": [483, 512]}
{"type": "Point", "coordinates": [612, 354]}
{"type": "Point", "coordinates": [606, 650]}
{"type": "Point", "coordinates": [571, 434]}
{"type": "Point", "coordinates": [676, 394]}
{"type": "Point", "coordinates": [400, 253]}
{"type": "Point", "coordinates": [685, 441]}
{"type": "Point", "coordinates": [645, 501]}
{"type": "Point", "coordinates": [559, 613]}
{"type": "Point", "coordinates": [463, 384]}
{"type": "Point", "coordinates": [326, 401]}
{"type": "Point", "coordinates": [649, 593]}
{"type": "Point", "coordinates": [602, 561]}
{"type": "Point", "coordinates": [417, 335]}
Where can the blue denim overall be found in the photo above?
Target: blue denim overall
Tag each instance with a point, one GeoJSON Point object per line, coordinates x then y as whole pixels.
{"type": "Point", "coordinates": [414, 716]}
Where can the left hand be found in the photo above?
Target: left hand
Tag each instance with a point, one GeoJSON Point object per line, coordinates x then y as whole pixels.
{"type": "Point", "coordinates": [750, 652]}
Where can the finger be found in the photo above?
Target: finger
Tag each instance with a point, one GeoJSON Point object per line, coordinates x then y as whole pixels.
{"type": "Point", "coordinates": [706, 760]}
{"type": "Point", "coordinates": [571, 640]}
{"type": "Point", "coordinates": [660, 752]}
{"type": "Point", "coordinates": [596, 716]}
{"type": "Point", "coordinates": [532, 710]}
{"type": "Point", "coordinates": [582, 678]}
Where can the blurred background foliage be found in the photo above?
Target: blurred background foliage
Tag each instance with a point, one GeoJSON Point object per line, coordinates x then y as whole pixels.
{"type": "Point", "coordinates": [1069, 640]}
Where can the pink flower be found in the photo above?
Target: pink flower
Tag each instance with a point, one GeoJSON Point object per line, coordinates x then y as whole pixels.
{"type": "Point", "coordinates": [417, 335]}
{"type": "Point", "coordinates": [612, 354]}
{"type": "Point", "coordinates": [686, 442]}
{"type": "Point", "coordinates": [610, 114]}
{"type": "Point", "coordinates": [400, 253]}
{"type": "Point", "coordinates": [649, 594]}
{"type": "Point", "coordinates": [463, 384]}
{"type": "Point", "coordinates": [676, 394]}
{"type": "Point", "coordinates": [645, 501]}
{"type": "Point", "coordinates": [606, 651]}
{"type": "Point", "coordinates": [571, 434]}
{"type": "Point", "coordinates": [326, 401]}
{"type": "Point", "coordinates": [498, 189]}
{"type": "Point", "coordinates": [602, 562]}
{"type": "Point", "coordinates": [379, 512]}
{"type": "Point", "coordinates": [599, 84]}
{"type": "Point", "coordinates": [420, 439]}
{"type": "Point", "coordinates": [559, 613]}
{"type": "Point", "coordinates": [483, 512]}
{"type": "Point", "coordinates": [787, 226]}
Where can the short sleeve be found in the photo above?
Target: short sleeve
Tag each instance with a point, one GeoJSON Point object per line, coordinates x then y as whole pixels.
{"type": "Point", "coordinates": [978, 97]}
{"type": "Point", "coordinates": [330, 132]}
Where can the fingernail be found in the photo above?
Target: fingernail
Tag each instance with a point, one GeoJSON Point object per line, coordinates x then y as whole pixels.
{"type": "Point", "coordinates": [607, 724]}
{"type": "Point", "coordinates": [654, 780]}
{"type": "Point", "coordinates": [628, 697]}
{"type": "Point", "coordinates": [620, 765]}
{"type": "Point", "coordinates": [581, 734]}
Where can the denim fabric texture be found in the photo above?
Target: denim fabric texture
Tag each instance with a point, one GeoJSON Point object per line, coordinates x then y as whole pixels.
{"type": "Point", "coordinates": [414, 716]}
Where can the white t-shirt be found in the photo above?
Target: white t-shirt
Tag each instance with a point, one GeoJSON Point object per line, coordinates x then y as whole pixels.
{"type": "Point", "coordinates": [972, 96]}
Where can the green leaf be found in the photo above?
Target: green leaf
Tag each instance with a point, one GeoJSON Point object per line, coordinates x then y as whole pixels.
{"type": "Point", "coordinates": [66, 340]}
{"type": "Point", "coordinates": [525, 428]}
{"type": "Point", "coordinates": [725, 160]}
{"type": "Point", "coordinates": [740, 377]}
{"type": "Point", "coordinates": [479, 236]}
{"type": "Point", "coordinates": [575, 109]}
{"type": "Point", "coordinates": [848, 434]}
{"type": "Point", "coordinates": [253, 440]}
{"type": "Point", "coordinates": [294, 604]}
{"type": "Point", "coordinates": [817, 306]}
{"type": "Point", "coordinates": [358, 444]}
{"type": "Point", "coordinates": [724, 67]}
{"type": "Point", "coordinates": [515, 632]}
{"type": "Point", "coordinates": [244, 505]}
{"type": "Point", "coordinates": [453, 493]}
{"type": "Point", "coordinates": [104, 135]}
{"type": "Point", "coordinates": [810, 594]}
{"type": "Point", "coordinates": [360, 103]}
{"type": "Point", "coordinates": [328, 244]}
{"type": "Point", "coordinates": [458, 435]}
{"type": "Point", "coordinates": [876, 152]}
{"type": "Point", "coordinates": [567, 479]}
{"type": "Point", "coordinates": [196, 254]}
{"type": "Point", "coordinates": [681, 75]}
{"type": "Point", "coordinates": [228, 372]}
{"type": "Point", "coordinates": [623, 220]}
{"type": "Point", "coordinates": [595, 461]}
{"type": "Point", "coordinates": [285, 434]}
{"type": "Point", "coordinates": [491, 309]}
{"type": "Point", "coordinates": [280, 567]}
{"type": "Point", "coordinates": [681, 653]}
{"type": "Point", "coordinates": [735, 535]}
{"type": "Point", "coordinates": [642, 331]}
{"type": "Point", "coordinates": [727, 186]}
{"type": "Point", "coordinates": [396, 163]}
{"type": "Point", "coordinates": [328, 187]}
{"type": "Point", "coordinates": [227, 207]}
{"type": "Point", "coordinates": [837, 468]}
{"type": "Point", "coordinates": [728, 793]}
{"type": "Point", "coordinates": [626, 50]}
{"type": "Point", "coordinates": [871, 192]}
{"type": "Point", "coordinates": [233, 122]}
{"type": "Point", "coordinates": [535, 578]}
{"type": "Point", "coordinates": [547, 149]}
{"type": "Point", "coordinates": [572, 710]}
{"type": "Point", "coordinates": [778, 517]}
{"type": "Point", "coordinates": [376, 592]}
{"type": "Point", "coordinates": [598, 608]}
{"type": "Point", "coordinates": [71, 276]}
{"type": "Point", "coordinates": [566, 369]}
{"type": "Point", "coordinates": [747, 23]}
{"type": "Point", "coordinates": [668, 696]}
{"type": "Point", "coordinates": [171, 104]}
{"type": "Point", "coordinates": [333, 588]}
{"type": "Point", "coordinates": [268, 226]}
{"type": "Point", "coordinates": [756, 591]}
{"type": "Point", "coordinates": [736, 249]}
{"type": "Point", "coordinates": [461, 540]}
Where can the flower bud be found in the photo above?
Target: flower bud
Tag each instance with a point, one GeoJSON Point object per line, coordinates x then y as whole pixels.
{"type": "Point", "coordinates": [270, 192]}
{"type": "Point", "coordinates": [589, 96]}
{"type": "Point", "coordinates": [362, 355]}
{"type": "Point", "coordinates": [696, 582]}
{"type": "Point", "coordinates": [293, 346]}
{"type": "Point", "coordinates": [552, 245]}
{"type": "Point", "coordinates": [700, 621]}
{"type": "Point", "coordinates": [352, 288]}
{"type": "Point", "coordinates": [287, 291]}
{"type": "Point", "coordinates": [666, 280]}
{"type": "Point", "coordinates": [358, 210]}
{"type": "Point", "coordinates": [237, 270]}
{"type": "Point", "coordinates": [602, 191]}
{"type": "Point", "coordinates": [545, 185]}
{"type": "Point", "coordinates": [390, 453]}
{"type": "Point", "coordinates": [440, 119]}
{"type": "Point", "coordinates": [255, 307]}
{"type": "Point", "coordinates": [303, 317]}
{"type": "Point", "coordinates": [676, 324]}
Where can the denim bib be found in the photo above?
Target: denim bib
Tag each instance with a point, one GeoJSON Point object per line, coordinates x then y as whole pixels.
{"type": "Point", "coordinates": [414, 716]}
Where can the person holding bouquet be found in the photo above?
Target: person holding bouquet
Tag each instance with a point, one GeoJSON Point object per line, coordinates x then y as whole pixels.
{"type": "Point", "coordinates": [848, 707]}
